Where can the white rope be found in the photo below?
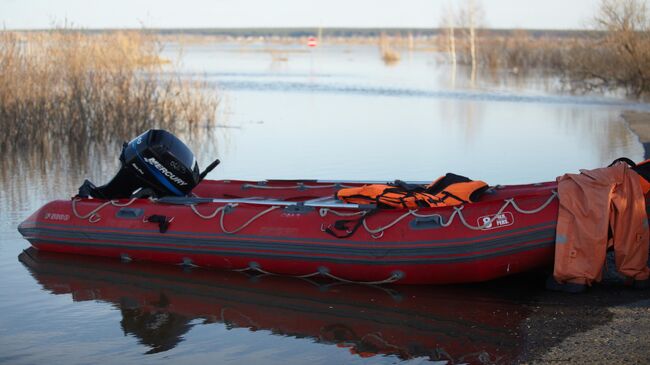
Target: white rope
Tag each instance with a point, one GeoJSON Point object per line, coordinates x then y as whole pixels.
{"type": "Point", "coordinates": [256, 216]}
{"type": "Point", "coordinates": [209, 216]}
{"type": "Point", "coordinates": [381, 229]}
{"type": "Point", "coordinates": [480, 226]}
{"type": "Point", "coordinates": [223, 209]}
{"type": "Point", "coordinates": [458, 211]}
{"type": "Point", "coordinates": [259, 269]}
{"type": "Point", "coordinates": [533, 211]}
{"type": "Point", "coordinates": [324, 272]}
{"type": "Point", "coordinates": [92, 216]}
{"type": "Point", "coordinates": [378, 337]}
{"type": "Point", "coordinates": [391, 279]}
{"type": "Point", "coordinates": [251, 323]}
{"type": "Point", "coordinates": [323, 212]}
{"type": "Point", "coordinates": [241, 270]}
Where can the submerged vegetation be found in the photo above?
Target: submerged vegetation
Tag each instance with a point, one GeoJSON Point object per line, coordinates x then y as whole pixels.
{"type": "Point", "coordinates": [389, 54]}
{"type": "Point", "coordinates": [620, 58]}
{"type": "Point", "coordinates": [615, 55]}
{"type": "Point", "coordinates": [73, 87]}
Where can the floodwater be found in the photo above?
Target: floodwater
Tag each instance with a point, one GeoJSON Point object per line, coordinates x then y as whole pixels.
{"type": "Point", "coordinates": [336, 112]}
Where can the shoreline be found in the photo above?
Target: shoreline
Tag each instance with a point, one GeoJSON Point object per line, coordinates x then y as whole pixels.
{"type": "Point", "coordinates": [605, 325]}
{"type": "Point", "coordinates": [639, 123]}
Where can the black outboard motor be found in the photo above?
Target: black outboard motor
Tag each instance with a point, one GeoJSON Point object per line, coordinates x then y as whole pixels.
{"type": "Point", "coordinates": [156, 163]}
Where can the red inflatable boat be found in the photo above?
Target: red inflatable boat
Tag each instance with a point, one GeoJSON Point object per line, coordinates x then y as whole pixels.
{"type": "Point", "coordinates": [281, 227]}
{"type": "Point", "coordinates": [158, 208]}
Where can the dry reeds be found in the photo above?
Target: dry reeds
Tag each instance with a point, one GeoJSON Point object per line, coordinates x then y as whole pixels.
{"type": "Point", "coordinates": [620, 59]}
{"type": "Point", "coordinates": [517, 51]}
{"type": "Point", "coordinates": [71, 86]}
{"type": "Point", "coordinates": [520, 52]}
{"type": "Point", "coordinates": [616, 57]}
{"type": "Point", "coordinates": [389, 55]}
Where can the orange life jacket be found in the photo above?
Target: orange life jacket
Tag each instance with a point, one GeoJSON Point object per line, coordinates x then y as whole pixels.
{"type": "Point", "coordinates": [447, 190]}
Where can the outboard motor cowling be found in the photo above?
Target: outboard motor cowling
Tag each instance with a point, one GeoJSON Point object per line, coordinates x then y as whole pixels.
{"type": "Point", "coordinates": [156, 160]}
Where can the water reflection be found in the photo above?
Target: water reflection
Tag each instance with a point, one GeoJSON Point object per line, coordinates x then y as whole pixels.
{"type": "Point", "coordinates": [48, 169]}
{"type": "Point", "coordinates": [160, 304]}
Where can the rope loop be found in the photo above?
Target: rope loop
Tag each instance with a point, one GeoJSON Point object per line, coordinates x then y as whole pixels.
{"type": "Point", "coordinates": [324, 211]}
{"type": "Point", "coordinates": [208, 216]}
{"type": "Point", "coordinates": [93, 216]}
{"type": "Point", "coordinates": [377, 233]}
{"type": "Point", "coordinates": [323, 271]}
{"type": "Point", "coordinates": [381, 229]}
{"type": "Point", "coordinates": [255, 217]}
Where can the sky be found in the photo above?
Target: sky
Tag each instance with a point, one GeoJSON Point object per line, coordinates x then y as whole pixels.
{"type": "Point", "coordinates": [39, 14]}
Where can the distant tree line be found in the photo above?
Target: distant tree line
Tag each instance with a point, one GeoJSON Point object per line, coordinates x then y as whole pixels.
{"type": "Point", "coordinates": [329, 32]}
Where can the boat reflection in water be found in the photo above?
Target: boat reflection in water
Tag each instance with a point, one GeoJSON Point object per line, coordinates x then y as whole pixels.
{"type": "Point", "coordinates": [161, 303]}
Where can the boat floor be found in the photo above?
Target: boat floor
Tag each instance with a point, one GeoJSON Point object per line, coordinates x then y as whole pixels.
{"type": "Point", "coordinates": [315, 193]}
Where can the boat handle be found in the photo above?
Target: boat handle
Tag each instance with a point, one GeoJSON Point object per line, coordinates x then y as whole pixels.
{"type": "Point", "coordinates": [129, 213]}
{"type": "Point", "coordinates": [425, 223]}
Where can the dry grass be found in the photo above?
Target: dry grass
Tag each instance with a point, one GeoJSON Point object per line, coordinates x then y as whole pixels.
{"type": "Point", "coordinates": [389, 54]}
{"type": "Point", "coordinates": [70, 86]}
{"type": "Point", "coordinates": [517, 52]}
{"type": "Point", "coordinates": [520, 52]}
{"type": "Point", "coordinates": [617, 58]}
{"type": "Point", "coordinates": [620, 59]}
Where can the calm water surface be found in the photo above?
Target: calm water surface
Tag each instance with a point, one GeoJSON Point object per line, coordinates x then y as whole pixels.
{"type": "Point", "coordinates": [334, 113]}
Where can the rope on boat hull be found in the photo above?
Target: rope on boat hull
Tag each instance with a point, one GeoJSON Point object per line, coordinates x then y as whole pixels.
{"type": "Point", "coordinates": [458, 211]}
{"type": "Point", "coordinates": [323, 271]}
{"type": "Point", "coordinates": [93, 217]}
